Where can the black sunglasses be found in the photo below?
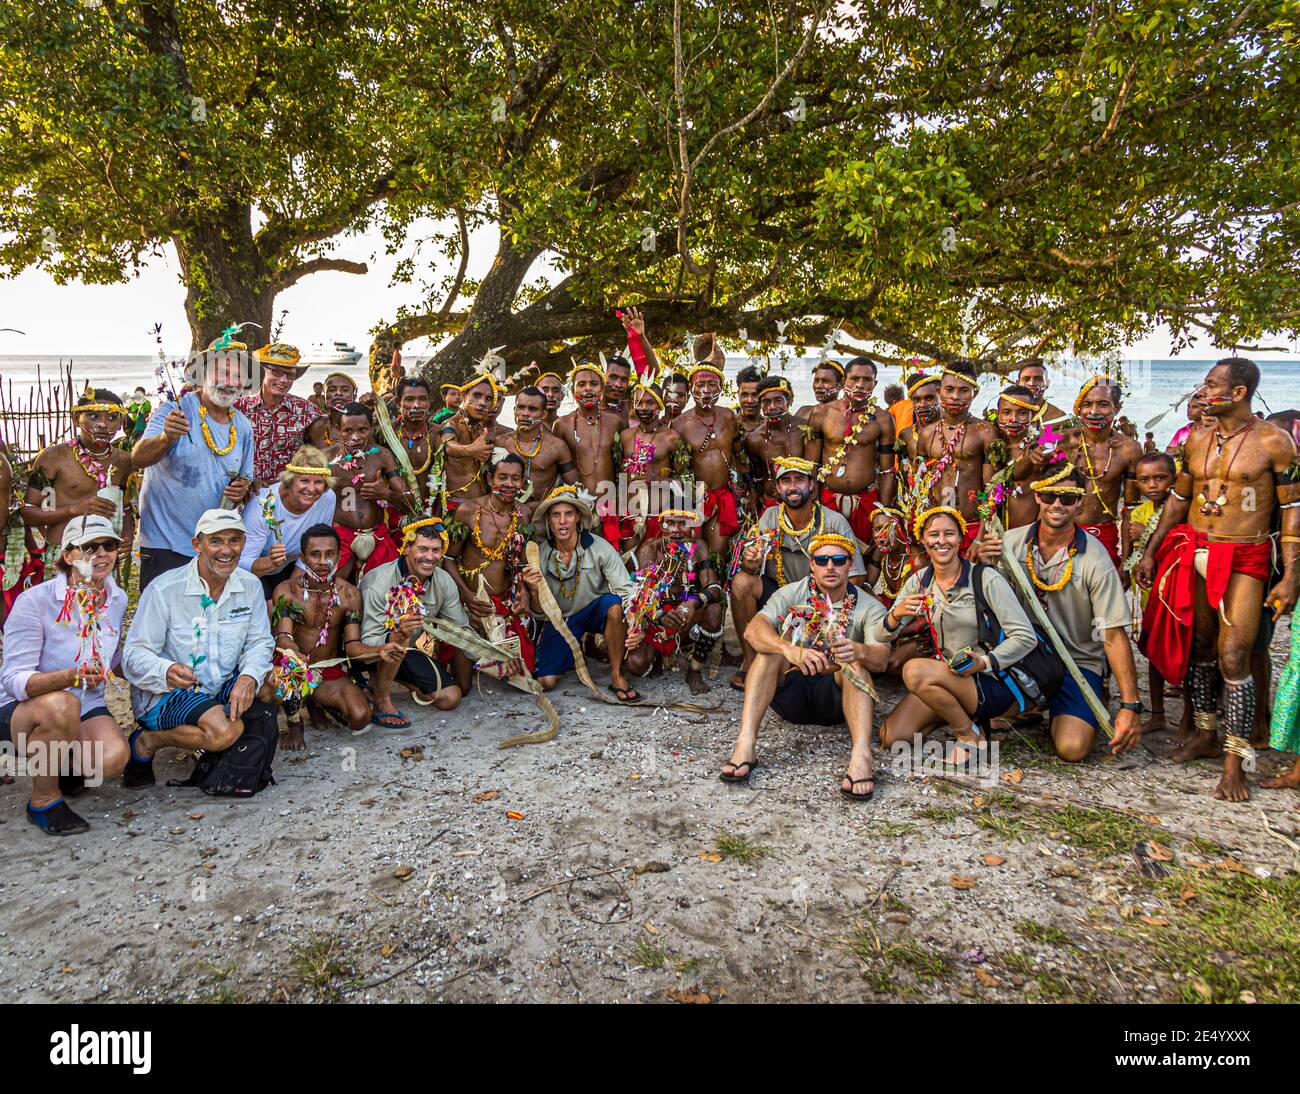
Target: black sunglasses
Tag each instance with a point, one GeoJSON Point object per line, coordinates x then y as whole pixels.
{"type": "Point", "coordinates": [103, 547]}
{"type": "Point", "coordinates": [830, 560]}
{"type": "Point", "coordinates": [1051, 497]}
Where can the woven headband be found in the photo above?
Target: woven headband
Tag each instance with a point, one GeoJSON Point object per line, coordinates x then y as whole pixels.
{"type": "Point", "coordinates": [831, 539]}
{"type": "Point", "coordinates": [1091, 382]}
{"type": "Point", "coordinates": [1050, 482]}
{"type": "Point", "coordinates": [919, 382]}
{"type": "Point", "coordinates": [919, 524]}
{"type": "Point", "coordinates": [409, 530]}
{"type": "Point", "coordinates": [298, 469]}
{"type": "Point", "coordinates": [785, 464]}
{"type": "Point", "coordinates": [703, 366]}
{"type": "Point", "coordinates": [111, 408]}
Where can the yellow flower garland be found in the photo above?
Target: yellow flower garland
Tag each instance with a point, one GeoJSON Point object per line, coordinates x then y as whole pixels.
{"type": "Point", "coordinates": [207, 433]}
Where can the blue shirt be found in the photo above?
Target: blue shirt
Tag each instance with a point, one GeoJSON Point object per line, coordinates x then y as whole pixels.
{"type": "Point", "coordinates": [190, 478]}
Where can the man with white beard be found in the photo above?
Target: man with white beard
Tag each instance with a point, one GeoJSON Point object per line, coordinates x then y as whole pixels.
{"type": "Point", "coordinates": [198, 455]}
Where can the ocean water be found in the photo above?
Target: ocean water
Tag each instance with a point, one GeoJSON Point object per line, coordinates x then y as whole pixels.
{"type": "Point", "coordinates": [1151, 385]}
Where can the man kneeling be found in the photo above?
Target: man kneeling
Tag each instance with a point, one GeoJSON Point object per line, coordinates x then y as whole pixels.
{"type": "Point", "coordinates": [199, 648]}
{"type": "Point", "coordinates": [811, 663]}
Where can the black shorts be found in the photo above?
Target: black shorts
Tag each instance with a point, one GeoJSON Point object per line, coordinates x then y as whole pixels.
{"type": "Point", "coordinates": [809, 700]}
{"type": "Point", "coordinates": [769, 587]}
{"type": "Point", "coordinates": [992, 699]}
{"type": "Point", "coordinates": [7, 717]}
{"type": "Point", "coordinates": [423, 673]}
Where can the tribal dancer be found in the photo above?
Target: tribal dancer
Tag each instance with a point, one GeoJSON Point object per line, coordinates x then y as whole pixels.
{"type": "Point", "coordinates": [1033, 375]}
{"type": "Point", "coordinates": [676, 606]}
{"type": "Point", "coordinates": [467, 442]}
{"type": "Point", "coordinates": [590, 431]}
{"type": "Point", "coordinates": [711, 432]}
{"type": "Point", "coordinates": [954, 451]}
{"type": "Point", "coordinates": [487, 563]}
{"type": "Point", "coordinates": [923, 391]}
{"type": "Point", "coordinates": [552, 388]}
{"type": "Point", "coordinates": [547, 457]}
{"type": "Point", "coordinates": [618, 378]}
{"type": "Point", "coordinates": [317, 617]}
{"type": "Point", "coordinates": [652, 451]}
{"type": "Point", "coordinates": [1109, 459]}
{"type": "Point", "coordinates": [1016, 457]}
{"type": "Point", "coordinates": [1210, 558]}
{"type": "Point", "coordinates": [340, 391]}
{"type": "Point", "coordinates": [413, 431]}
{"type": "Point", "coordinates": [748, 415]}
{"type": "Point", "coordinates": [369, 485]}
{"type": "Point", "coordinates": [82, 477]}
{"type": "Point", "coordinates": [778, 436]}
{"type": "Point", "coordinates": [677, 393]}
{"type": "Point", "coordinates": [827, 386]}
{"type": "Point", "coordinates": [855, 446]}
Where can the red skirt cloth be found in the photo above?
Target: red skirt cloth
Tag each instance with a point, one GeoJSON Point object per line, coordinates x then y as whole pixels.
{"type": "Point", "coordinates": [972, 534]}
{"type": "Point", "coordinates": [661, 639]}
{"type": "Point", "coordinates": [615, 529]}
{"type": "Point", "coordinates": [32, 573]}
{"type": "Point", "coordinates": [334, 672]}
{"type": "Point", "coordinates": [515, 627]}
{"type": "Point", "coordinates": [767, 504]}
{"type": "Point", "coordinates": [722, 503]}
{"type": "Point", "coordinates": [855, 508]}
{"type": "Point", "coordinates": [1107, 534]}
{"type": "Point", "coordinates": [385, 547]}
{"type": "Point", "coordinates": [1166, 639]}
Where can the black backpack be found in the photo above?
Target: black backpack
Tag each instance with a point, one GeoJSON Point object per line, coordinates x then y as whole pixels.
{"type": "Point", "coordinates": [1038, 675]}
{"type": "Point", "coordinates": [244, 768]}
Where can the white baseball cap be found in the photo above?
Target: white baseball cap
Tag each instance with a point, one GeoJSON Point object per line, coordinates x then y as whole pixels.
{"type": "Point", "coordinates": [82, 530]}
{"type": "Point", "coordinates": [219, 520]}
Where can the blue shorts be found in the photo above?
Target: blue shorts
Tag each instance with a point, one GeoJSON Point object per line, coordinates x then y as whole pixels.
{"type": "Point", "coordinates": [1069, 700]}
{"type": "Point", "coordinates": [554, 658]}
{"type": "Point", "coordinates": [184, 707]}
{"type": "Point", "coordinates": [992, 698]}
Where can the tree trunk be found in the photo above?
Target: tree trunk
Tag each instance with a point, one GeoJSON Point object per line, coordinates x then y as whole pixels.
{"type": "Point", "coordinates": [226, 281]}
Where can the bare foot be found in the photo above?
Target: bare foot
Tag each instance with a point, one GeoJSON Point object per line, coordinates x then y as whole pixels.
{"type": "Point", "coordinates": [292, 740]}
{"type": "Point", "coordinates": [1202, 746]}
{"type": "Point", "coordinates": [1232, 787]}
{"type": "Point", "coordinates": [696, 682]}
{"type": "Point", "coordinates": [1156, 723]}
{"type": "Point", "coordinates": [1289, 781]}
{"type": "Point", "coordinates": [737, 681]}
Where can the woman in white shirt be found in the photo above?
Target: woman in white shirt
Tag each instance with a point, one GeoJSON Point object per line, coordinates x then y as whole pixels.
{"type": "Point", "coordinates": [303, 498]}
{"type": "Point", "coordinates": [61, 641]}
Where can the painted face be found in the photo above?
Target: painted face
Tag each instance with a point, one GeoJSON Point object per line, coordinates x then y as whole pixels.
{"type": "Point", "coordinates": [645, 408]}
{"type": "Point", "coordinates": [677, 528]}
{"type": "Point", "coordinates": [1013, 420]}
{"type": "Point", "coordinates": [1034, 377]}
{"type": "Point", "coordinates": [553, 390]}
{"type": "Point", "coordinates": [747, 397]}
{"type": "Point", "coordinates": [507, 481]}
{"type": "Point", "coordinates": [1195, 408]}
{"type": "Point", "coordinates": [859, 384]}
{"type": "Point", "coordinates": [219, 551]}
{"type": "Point", "coordinates": [617, 377]}
{"type": "Point", "coordinates": [587, 388]}
{"type": "Point", "coordinates": [941, 538]}
{"type": "Point", "coordinates": [774, 404]}
{"type": "Point", "coordinates": [1154, 480]}
{"type": "Point", "coordinates": [795, 488]}
{"type": "Point", "coordinates": [925, 403]}
{"type": "Point", "coordinates": [676, 395]}
{"type": "Point", "coordinates": [414, 404]}
{"type": "Point", "coordinates": [423, 555]}
{"type": "Point", "coordinates": [321, 556]}
{"type": "Point", "coordinates": [1099, 407]}
{"type": "Point", "coordinates": [1217, 393]}
{"type": "Point", "coordinates": [98, 427]}
{"type": "Point", "coordinates": [339, 391]}
{"type": "Point", "coordinates": [826, 384]}
{"type": "Point", "coordinates": [530, 410]}
{"type": "Point", "coordinates": [480, 400]}
{"type": "Point", "coordinates": [562, 519]}
{"type": "Point", "coordinates": [706, 390]}
{"type": "Point", "coordinates": [304, 492]}
{"type": "Point", "coordinates": [955, 395]}
{"type": "Point", "coordinates": [355, 432]}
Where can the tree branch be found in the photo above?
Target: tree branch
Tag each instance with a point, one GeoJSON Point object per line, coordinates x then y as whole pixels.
{"type": "Point", "coordinates": [296, 273]}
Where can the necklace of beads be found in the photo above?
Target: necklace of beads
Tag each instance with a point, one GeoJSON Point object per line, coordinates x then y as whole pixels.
{"type": "Point", "coordinates": [566, 590]}
{"type": "Point", "coordinates": [98, 469]}
{"type": "Point", "coordinates": [834, 467]}
{"type": "Point", "coordinates": [1093, 477]}
{"type": "Point", "coordinates": [207, 433]}
{"type": "Point", "coordinates": [411, 442]}
{"type": "Point", "coordinates": [333, 602]}
{"type": "Point", "coordinates": [1215, 508]}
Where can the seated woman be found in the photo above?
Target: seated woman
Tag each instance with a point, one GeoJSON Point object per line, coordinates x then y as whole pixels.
{"type": "Point", "coordinates": [61, 641]}
{"type": "Point", "coordinates": [277, 516]}
{"type": "Point", "coordinates": [961, 685]}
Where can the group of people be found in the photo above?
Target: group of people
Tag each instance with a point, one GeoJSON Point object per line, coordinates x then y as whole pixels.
{"type": "Point", "coordinates": [302, 558]}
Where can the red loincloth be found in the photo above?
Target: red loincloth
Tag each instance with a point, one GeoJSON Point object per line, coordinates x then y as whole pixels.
{"type": "Point", "coordinates": [615, 529]}
{"type": "Point", "coordinates": [32, 573]}
{"type": "Point", "coordinates": [661, 639]}
{"type": "Point", "coordinates": [722, 503]}
{"type": "Point", "coordinates": [971, 535]}
{"type": "Point", "coordinates": [1107, 534]}
{"type": "Point", "coordinates": [767, 504]}
{"type": "Point", "coordinates": [334, 672]}
{"type": "Point", "coordinates": [515, 627]}
{"type": "Point", "coordinates": [385, 547]}
{"type": "Point", "coordinates": [855, 508]}
{"type": "Point", "coordinates": [1167, 621]}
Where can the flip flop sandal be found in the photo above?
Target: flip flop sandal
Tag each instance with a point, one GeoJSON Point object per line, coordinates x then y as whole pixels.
{"type": "Point", "coordinates": [859, 797]}
{"type": "Point", "coordinates": [733, 777]}
{"type": "Point", "coordinates": [386, 720]}
{"type": "Point", "coordinates": [626, 695]}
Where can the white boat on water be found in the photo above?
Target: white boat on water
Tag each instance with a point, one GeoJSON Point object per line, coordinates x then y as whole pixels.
{"type": "Point", "coordinates": [330, 353]}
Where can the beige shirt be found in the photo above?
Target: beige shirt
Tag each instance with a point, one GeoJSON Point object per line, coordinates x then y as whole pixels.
{"type": "Point", "coordinates": [441, 600]}
{"type": "Point", "coordinates": [866, 614]}
{"type": "Point", "coordinates": [1092, 603]}
{"type": "Point", "coordinates": [599, 569]}
{"type": "Point", "coordinates": [955, 621]}
{"type": "Point", "coordinates": [794, 550]}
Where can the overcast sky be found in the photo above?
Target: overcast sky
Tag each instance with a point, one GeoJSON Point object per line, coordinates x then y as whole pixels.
{"type": "Point", "coordinates": [85, 320]}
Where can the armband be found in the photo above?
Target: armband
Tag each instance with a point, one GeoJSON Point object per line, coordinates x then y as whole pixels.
{"type": "Point", "coordinates": [714, 593]}
{"type": "Point", "coordinates": [887, 448]}
{"type": "Point", "coordinates": [1130, 474]}
{"type": "Point", "coordinates": [1291, 476]}
{"type": "Point", "coordinates": [565, 468]}
{"type": "Point", "coordinates": [395, 473]}
{"type": "Point", "coordinates": [1289, 505]}
{"type": "Point", "coordinates": [352, 617]}
{"type": "Point", "coordinates": [817, 435]}
{"type": "Point", "coordinates": [886, 471]}
{"type": "Point", "coordinates": [1176, 494]}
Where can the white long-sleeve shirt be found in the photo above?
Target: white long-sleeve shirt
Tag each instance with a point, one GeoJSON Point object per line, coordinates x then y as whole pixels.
{"type": "Point", "coordinates": [233, 633]}
{"type": "Point", "coordinates": [34, 642]}
{"type": "Point", "coordinates": [259, 540]}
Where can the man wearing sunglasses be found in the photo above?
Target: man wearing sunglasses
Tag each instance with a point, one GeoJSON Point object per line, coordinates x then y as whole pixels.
{"type": "Point", "coordinates": [1079, 588]}
{"type": "Point", "coordinates": [812, 662]}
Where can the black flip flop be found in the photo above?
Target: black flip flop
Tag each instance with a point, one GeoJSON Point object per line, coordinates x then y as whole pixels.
{"type": "Point", "coordinates": [629, 695]}
{"type": "Point", "coordinates": [854, 782]}
{"type": "Point", "coordinates": [733, 778]}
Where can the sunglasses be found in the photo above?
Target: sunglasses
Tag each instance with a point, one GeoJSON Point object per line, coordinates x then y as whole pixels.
{"type": "Point", "coordinates": [1050, 497]}
{"type": "Point", "coordinates": [830, 560]}
{"type": "Point", "coordinates": [106, 547]}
